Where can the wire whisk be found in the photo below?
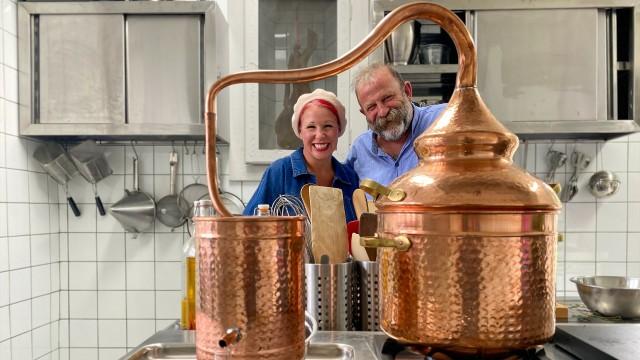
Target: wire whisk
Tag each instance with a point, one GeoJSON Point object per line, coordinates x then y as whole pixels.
{"type": "Point", "coordinates": [289, 205]}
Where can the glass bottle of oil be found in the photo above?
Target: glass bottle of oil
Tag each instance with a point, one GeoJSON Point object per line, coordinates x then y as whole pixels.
{"type": "Point", "coordinates": [188, 304]}
{"type": "Point", "coordinates": [188, 319]}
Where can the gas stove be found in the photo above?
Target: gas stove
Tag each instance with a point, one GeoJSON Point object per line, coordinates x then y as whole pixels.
{"type": "Point", "coordinates": [390, 349]}
{"type": "Point", "coordinates": [571, 342]}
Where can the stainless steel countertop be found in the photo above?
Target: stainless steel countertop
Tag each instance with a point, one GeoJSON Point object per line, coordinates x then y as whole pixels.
{"type": "Point", "coordinates": [360, 341]}
{"type": "Point", "coordinates": [367, 344]}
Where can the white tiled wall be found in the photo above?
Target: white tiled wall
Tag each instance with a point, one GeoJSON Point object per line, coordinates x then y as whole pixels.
{"type": "Point", "coordinates": [602, 236]}
{"type": "Point", "coordinates": [80, 287]}
{"type": "Point", "coordinates": [29, 226]}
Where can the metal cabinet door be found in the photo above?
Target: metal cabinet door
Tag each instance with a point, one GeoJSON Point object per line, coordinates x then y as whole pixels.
{"type": "Point", "coordinates": [80, 68]}
{"type": "Point", "coordinates": [164, 57]}
{"type": "Point", "coordinates": [542, 65]}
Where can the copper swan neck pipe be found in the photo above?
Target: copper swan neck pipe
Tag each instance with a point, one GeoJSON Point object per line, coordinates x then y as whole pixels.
{"type": "Point", "coordinates": [467, 71]}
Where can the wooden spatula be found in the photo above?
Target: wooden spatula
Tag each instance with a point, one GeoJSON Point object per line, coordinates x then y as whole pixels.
{"type": "Point", "coordinates": [328, 224]}
{"type": "Point", "coordinates": [371, 206]}
{"type": "Point", "coordinates": [304, 194]}
{"type": "Point", "coordinates": [359, 202]}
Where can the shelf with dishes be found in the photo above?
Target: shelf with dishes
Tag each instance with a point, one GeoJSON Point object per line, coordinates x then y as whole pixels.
{"type": "Point", "coordinates": [423, 54]}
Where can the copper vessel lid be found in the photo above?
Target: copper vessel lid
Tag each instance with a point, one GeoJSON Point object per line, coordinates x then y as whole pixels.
{"type": "Point", "coordinates": [466, 162]}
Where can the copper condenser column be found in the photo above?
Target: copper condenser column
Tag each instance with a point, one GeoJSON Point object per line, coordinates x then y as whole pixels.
{"type": "Point", "coordinates": [251, 276]}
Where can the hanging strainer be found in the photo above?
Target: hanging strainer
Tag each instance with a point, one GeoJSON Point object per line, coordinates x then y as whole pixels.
{"type": "Point", "coordinates": [231, 201]}
{"type": "Point", "coordinates": [192, 192]}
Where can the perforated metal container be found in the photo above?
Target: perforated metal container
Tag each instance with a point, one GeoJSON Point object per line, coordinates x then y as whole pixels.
{"type": "Point", "coordinates": [369, 302]}
{"type": "Point", "coordinates": [332, 295]}
{"type": "Point", "coordinates": [56, 162]}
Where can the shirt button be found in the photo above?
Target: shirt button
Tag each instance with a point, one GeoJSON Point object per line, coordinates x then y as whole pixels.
{"type": "Point", "coordinates": [397, 164]}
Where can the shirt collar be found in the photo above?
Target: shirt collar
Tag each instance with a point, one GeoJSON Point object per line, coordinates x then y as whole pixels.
{"type": "Point", "coordinates": [413, 122]}
{"type": "Point", "coordinates": [300, 167]}
{"type": "Point", "coordinates": [298, 164]}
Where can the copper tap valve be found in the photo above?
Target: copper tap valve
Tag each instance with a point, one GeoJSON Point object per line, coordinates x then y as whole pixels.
{"type": "Point", "coordinates": [231, 337]}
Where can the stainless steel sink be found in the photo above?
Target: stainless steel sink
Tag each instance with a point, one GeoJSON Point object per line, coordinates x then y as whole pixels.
{"type": "Point", "coordinates": [329, 351]}
{"type": "Point", "coordinates": [315, 351]}
{"type": "Point", "coordinates": [174, 343]}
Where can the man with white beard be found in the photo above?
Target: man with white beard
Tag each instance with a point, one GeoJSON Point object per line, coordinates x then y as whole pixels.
{"type": "Point", "coordinates": [385, 151]}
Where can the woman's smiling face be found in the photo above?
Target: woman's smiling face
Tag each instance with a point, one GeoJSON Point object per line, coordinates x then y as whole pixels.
{"type": "Point", "coordinates": [319, 132]}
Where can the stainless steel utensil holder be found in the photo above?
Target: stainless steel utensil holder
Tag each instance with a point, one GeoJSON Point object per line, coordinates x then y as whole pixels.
{"type": "Point", "coordinates": [369, 304]}
{"type": "Point", "coordinates": [332, 295]}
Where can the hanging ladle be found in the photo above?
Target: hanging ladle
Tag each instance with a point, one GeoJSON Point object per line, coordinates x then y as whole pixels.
{"type": "Point", "coordinates": [168, 208]}
{"type": "Point", "coordinates": [580, 161]}
{"type": "Point", "coordinates": [556, 160]}
{"type": "Point", "coordinates": [604, 182]}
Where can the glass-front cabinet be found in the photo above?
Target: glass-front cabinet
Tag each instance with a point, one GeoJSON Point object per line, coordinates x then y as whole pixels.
{"type": "Point", "coordinates": [288, 34]}
{"type": "Point", "coordinates": [292, 34]}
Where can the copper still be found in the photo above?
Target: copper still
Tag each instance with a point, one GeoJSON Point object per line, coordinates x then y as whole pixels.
{"type": "Point", "coordinates": [467, 240]}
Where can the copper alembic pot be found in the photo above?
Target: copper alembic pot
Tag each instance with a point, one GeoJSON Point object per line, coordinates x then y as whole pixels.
{"type": "Point", "coordinates": [467, 241]}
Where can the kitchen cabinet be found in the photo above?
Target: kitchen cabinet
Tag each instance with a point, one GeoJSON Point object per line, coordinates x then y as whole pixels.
{"type": "Point", "coordinates": [117, 70]}
{"type": "Point", "coordinates": [72, 89]}
{"type": "Point", "coordinates": [561, 69]}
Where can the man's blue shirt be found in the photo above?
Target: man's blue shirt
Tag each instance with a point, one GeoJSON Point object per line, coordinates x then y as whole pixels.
{"type": "Point", "coordinates": [371, 162]}
{"type": "Point", "coordinates": [289, 174]}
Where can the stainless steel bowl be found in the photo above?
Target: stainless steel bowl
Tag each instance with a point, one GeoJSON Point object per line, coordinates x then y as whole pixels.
{"type": "Point", "coordinates": [610, 295]}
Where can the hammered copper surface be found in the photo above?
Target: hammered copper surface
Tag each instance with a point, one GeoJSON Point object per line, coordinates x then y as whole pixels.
{"type": "Point", "coordinates": [251, 277]}
{"type": "Point", "coordinates": [471, 282]}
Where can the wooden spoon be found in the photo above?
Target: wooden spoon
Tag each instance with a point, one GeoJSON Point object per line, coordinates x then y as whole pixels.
{"type": "Point", "coordinates": [306, 200]}
{"type": "Point", "coordinates": [328, 224]}
{"type": "Point", "coordinates": [359, 199]}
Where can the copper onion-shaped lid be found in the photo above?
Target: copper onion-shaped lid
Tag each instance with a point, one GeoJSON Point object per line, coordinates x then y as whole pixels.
{"type": "Point", "coordinates": [466, 163]}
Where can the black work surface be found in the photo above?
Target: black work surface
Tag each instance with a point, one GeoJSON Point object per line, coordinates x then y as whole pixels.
{"type": "Point", "coordinates": [599, 341]}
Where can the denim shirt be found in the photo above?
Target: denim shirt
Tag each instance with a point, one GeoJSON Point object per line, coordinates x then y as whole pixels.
{"type": "Point", "coordinates": [371, 162]}
{"type": "Point", "coordinates": [289, 174]}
